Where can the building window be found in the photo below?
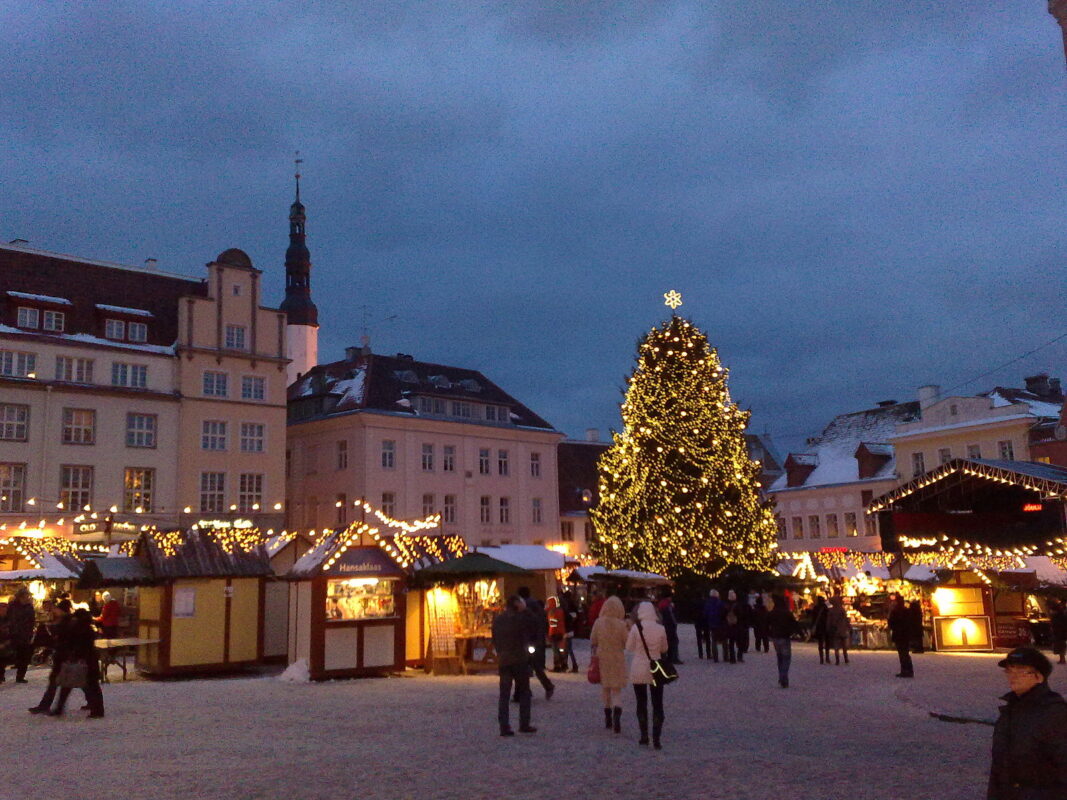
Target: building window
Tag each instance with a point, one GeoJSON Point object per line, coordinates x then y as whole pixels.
{"type": "Point", "coordinates": [566, 531]}
{"type": "Point", "coordinates": [135, 375]}
{"type": "Point", "coordinates": [75, 486]}
{"type": "Point", "coordinates": [215, 384]}
{"type": "Point", "coordinates": [18, 365]}
{"type": "Point", "coordinates": [485, 509]}
{"type": "Point", "coordinates": [79, 426]}
{"type": "Point", "coordinates": [465, 410]}
{"type": "Point", "coordinates": [14, 422]}
{"type": "Point", "coordinates": [388, 454]}
{"type": "Point", "coordinates": [427, 458]}
{"type": "Point", "coordinates": [590, 534]}
{"type": "Point", "coordinates": [137, 489]}
{"type": "Point", "coordinates": [212, 492]}
{"type": "Point", "coordinates": [831, 526]}
{"type": "Point", "coordinates": [505, 511]}
{"type": "Point", "coordinates": [140, 430]}
{"type": "Point", "coordinates": [389, 504]}
{"type": "Point", "coordinates": [536, 511]}
{"type": "Point", "coordinates": [944, 455]}
{"type": "Point", "coordinates": [253, 388]}
{"type": "Point", "coordinates": [448, 515]}
{"type": "Point", "coordinates": [798, 527]}
{"type": "Point", "coordinates": [1006, 450]}
{"type": "Point", "coordinates": [918, 466]}
{"type": "Point", "coordinates": [213, 435]}
{"type": "Point", "coordinates": [813, 526]}
{"type": "Point", "coordinates": [235, 337]}
{"type": "Point", "coordinates": [483, 461]}
{"type": "Point", "coordinates": [28, 317]}
{"type": "Point", "coordinates": [137, 331]}
{"type": "Point", "coordinates": [12, 486]}
{"type": "Point", "coordinates": [114, 329]}
{"type": "Point", "coordinates": [782, 533]}
{"type": "Point", "coordinates": [341, 504]}
{"type": "Point", "coordinates": [252, 436]}
{"type": "Point", "coordinates": [850, 524]}
{"type": "Point", "coordinates": [535, 465]}
{"type": "Point", "coordinates": [54, 321]}
{"type": "Point", "coordinates": [448, 458]}
{"type": "Point", "coordinates": [490, 413]}
{"type": "Point", "coordinates": [342, 454]}
{"type": "Point", "coordinates": [502, 462]}
{"type": "Point", "coordinates": [870, 525]}
{"type": "Point", "coordinates": [974, 451]}
{"type": "Point", "coordinates": [237, 290]}
{"type": "Point", "coordinates": [428, 505]}
{"type": "Point", "coordinates": [74, 370]}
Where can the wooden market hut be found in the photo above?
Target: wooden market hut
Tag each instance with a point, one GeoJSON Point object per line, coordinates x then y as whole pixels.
{"type": "Point", "coordinates": [283, 550]}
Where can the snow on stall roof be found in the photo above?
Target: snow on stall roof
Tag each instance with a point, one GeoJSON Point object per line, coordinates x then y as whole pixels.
{"type": "Point", "coordinates": [41, 298]}
{"type": "Point", "coordinates": [526, 556]}
{"type": "Point", "coordinates": [135, 312]}
{"type": "Point", "coordinates": [1044, 569]}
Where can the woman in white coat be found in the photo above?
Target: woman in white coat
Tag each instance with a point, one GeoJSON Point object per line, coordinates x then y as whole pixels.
{"type": "Point", "coordinates": [647, 633]}
{"type": "Point", "coordinates": [608, 639]}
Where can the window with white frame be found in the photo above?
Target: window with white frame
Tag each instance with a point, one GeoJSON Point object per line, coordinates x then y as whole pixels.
{"type": "Point", "coordinates": [427, 458]}
{"type": "Point", "coordinates": [235, 337]}
{"type": "Point", "coordinates": [502, 462]}
{"type": "Point", "coordinates": [55, 321]}
{"type": "Point", "coordinates": [252, 437]}
{"type": "Point", "coordinates": [141, 430]}
{"type": "Point", "coordinates": [536, 514]}
{"type": "Point", "coordinates": [213, 434]}
{"type": "Point", "coordinates": [75, 486]}
{"type": "Point", "coordinates": [389, 504]}
{"type": "Point", "coordinates": [463, 410]}
{"type": "Point", "coordinates": [253, 387]}
{"type": "Point", "coordinates": [137, 331]}
{"type": "Point", "coordinates": [133, 375]}
{"type": "Point", "coordinates": [138, 484]}
{"type": "Point", "coordinates": [782, 532]}
{"type": "Point", "coordinates": [429, 505]}
{"type": "Point", "coordinates": [212, 492]}
{"type": "Point", "coordinates": [215, 384]}
{"type": "Point", "coordinates": [918, 464]}
{"type": "Point", "coordinates": [14, 422]}
{"type": "Point", "coordinates": [28, 317]}
{"type": "Point", "coordinates": [79, 426]}
{"type": "Point", "coordinates": [490, 413]}
{"type": "Point", "coordinates": [483, 461]}
{"type": "Point", "coordinates": [974, 451]}
{"type": "Point", "coordinates": [798, 527]}
{"type": "Point", "coordinates": [114, 329]}
{"type": "Point", "coordinates": [342, 454]}
{"type": "Point", "coordinates": [388, 454]}
{"type": "Point", "coordinates": [832, 531]}
{"type": "Point", "coordinates": [448, 513]}
{"type": "Point", "coordinates": [505, 511]}
{"type": "Point", "coordinates": [485, 509]}
{"type": "Point", "coordinates": [16, 364]}
{"type": "Point", "coordinates": [566, 530]}
{"type": "Point", "coordinates": [448, 458]}
{"type": "Point", "coordinates": [944, 455]}
{"type": "Point", "coordinates": [813, 526]}
{"type": "Point", "coordinates": [870, 524]}
{"type": "Point", "coordinates": [12, 487]}
{"type": "Point", "coordinates": [74, 370]}
{"type": "Point", "coordinates": [1006, 450]}
{"type": "Point", "coordinates": [535, 465]}
{"type": "Point", "coordinates": [850, 524]}
{"type": "Point", "coordinates": [249, 492]}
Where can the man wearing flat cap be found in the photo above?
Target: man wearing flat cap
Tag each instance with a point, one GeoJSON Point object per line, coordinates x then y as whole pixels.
{"type": "Point", "coordinates": [1030, 737]}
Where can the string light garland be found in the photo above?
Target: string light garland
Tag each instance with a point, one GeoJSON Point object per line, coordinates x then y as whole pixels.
{"type": "Point", "coordinates": [678, 490]}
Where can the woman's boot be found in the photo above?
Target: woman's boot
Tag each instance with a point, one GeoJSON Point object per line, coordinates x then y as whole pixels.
{"type": "Point", "coordinates": [657, 730]}
{"type": "Point", "coordinates": [642, 722]}
{"type": "Point", "coordinates": [607, 718]}
{"type": "Point", "coordinates": [837, 659]}
{"type": "Point", "coordinates": [616, 722]}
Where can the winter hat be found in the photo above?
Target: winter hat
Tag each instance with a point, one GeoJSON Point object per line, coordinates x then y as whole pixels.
{"type": "Point", "coordinates": [1028, 657]}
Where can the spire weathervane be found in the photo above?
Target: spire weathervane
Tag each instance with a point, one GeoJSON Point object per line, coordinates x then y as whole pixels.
{"type": "Point", "coordinates": [298, 161]}
{"type": "Point", "coordinates": [672, 299]}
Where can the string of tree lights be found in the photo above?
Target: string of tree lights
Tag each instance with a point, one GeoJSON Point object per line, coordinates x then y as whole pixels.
{"type": "Point", "coordinates": [678, 490]}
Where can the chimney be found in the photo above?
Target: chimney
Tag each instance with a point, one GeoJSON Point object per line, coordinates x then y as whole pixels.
{"type": "Point", "coordinates": [364, 341]}
{"type": "Point", "coordinates": [1038, 384]}
{"type": "Point", "coordinates": [592, 434]}
{"type": "Point", "coordinates": [1054, 389]}
{"type": "Point", "coordinates": [928, 395]}
{"type": "Point", "coordinates": [798, 466]}
{"type": "Point", "coordinates": [352, 353]}
{"type": "Point", "coordinates": [886, 403]}
{"type": "Point", "coordinates": [150, 263]}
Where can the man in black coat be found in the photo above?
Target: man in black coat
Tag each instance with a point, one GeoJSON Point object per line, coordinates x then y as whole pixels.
{"type": "Point", "coordinates": [538, 636]}
{"type": "Point", "coordinates": [511, 640]}
{"type": "Point", "coordinates": [20, 624]}
{"type": "Point", "coordinates": [1029, 746]}
{"type": "Point", "coordinates": [901, 631]}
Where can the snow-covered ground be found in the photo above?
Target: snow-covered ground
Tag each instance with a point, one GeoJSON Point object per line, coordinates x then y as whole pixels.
{"type": "Point", "coordinates": [851, 732]}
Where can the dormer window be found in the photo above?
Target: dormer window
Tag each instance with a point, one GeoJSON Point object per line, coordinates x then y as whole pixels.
{"type": "Point", "coordinates": [441, 381]}
{"type": "Point", "coordinates": [137, 331]}
{"type": "Point", "coordinates": [470, 385]}
{"type": "Point", "coordinates": [28, 317]}
{"type": "Point", "coordinates": [406, 376]}
{"type": "Point", "coordinates": [55, 321]}
{"type": "Point", "coordinates": [115, 329]}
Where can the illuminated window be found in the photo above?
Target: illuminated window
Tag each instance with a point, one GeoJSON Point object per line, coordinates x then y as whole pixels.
{"type": "Point", "coordinates": [12, 486]}
{"type": "Point", "coordinates": [850, 524]}
{"type": "Point", "coordinates": [137, 489]}
{"type": "Point", "coordinates": [212, 492]}
{"type": "Point", "coordinates": [17, 365]}
{"type": "Point", "coordinates": [79, 426]}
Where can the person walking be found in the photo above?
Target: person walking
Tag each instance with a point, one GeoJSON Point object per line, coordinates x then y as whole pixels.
{"type": "Point", "coordinates": [713, 616]}
{"type": "Point", "coordinates": [646, 641]}
{"type": "Point", "coordinates": [62, 623]}
{"type": "Point", "coordinates": [744, 622]}
{"type": "Point", "coordinates": [759, 625]}
{"type": "Point", "coordinates": [781, 627]}
{"type": "Point", "coordinates": [511, 638]}
{"type": "Point", "coordinates": [819, 616]}
{"type": "Point", "coordinates": [1029, 758]}
{"type": "Point", "coordinates": [700, 627]}
{"type": "Point", "coordinates": [838, 629]}
{"type": "Point", "coordinates": [1058, 619]}
{"type": "Point", "coordinates": [557, 627]}
{"type": "Point", "coordinates": [670, 623]}
{"type": "Point", "coordinates": [731, 615]}
{"type": "Point", "coordinates": [900, 630]}
{"type": "Point", "coordinates": [81, 647]}
{"type": "Point", "coordinates": [538, 629]}
{"type": "Point", "coordinates": [570, 626]}
{"type": "Point", "coordinates": [21, 621]}
{"type": "Point", "coordinates": [608, 642]}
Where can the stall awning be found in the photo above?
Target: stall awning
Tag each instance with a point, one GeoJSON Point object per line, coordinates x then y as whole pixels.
{"type": "Point", "coordinates": [119, 571]}
{"type": "Point", "coordinates": [472, 565]}
{"type": "Point", "coordinates": [532, 557]}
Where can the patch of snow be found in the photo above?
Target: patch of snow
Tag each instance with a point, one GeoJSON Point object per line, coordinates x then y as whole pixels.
{"type": "Point", "coordinates": [41, 298]}
{"type": "Point", "coordinates": [297, 672]}
{"type": "Point", "coordinates": [136, 312]}
{"type": "Point", "coordinates": [526, 556]}
{"type": "Point", "coordinates": [85, 338]}
{"type": "Point", "coordinates": [351, 389]}
{"type": "Point", "coordinates": [403, 401]}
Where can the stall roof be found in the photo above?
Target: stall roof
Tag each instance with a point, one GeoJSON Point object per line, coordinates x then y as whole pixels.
{"type": "Point", "coordinates": [471, 565]}
{"type": "Point", "coordinates": [1043, 569]}
{"type": "Point", "coordinates": [601, 574]}
{"type": "Point", "coordinates": [408, 551]}
{"type": "Point", "coordinates": [203, 554]}
{"type": "Point", "coordinates": [532, 557]}
{"type": "Point", "coordinates": [115, 571]}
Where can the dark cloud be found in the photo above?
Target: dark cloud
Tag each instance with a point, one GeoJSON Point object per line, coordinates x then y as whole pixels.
{"type": "Point", "coordinates": [854, 197]}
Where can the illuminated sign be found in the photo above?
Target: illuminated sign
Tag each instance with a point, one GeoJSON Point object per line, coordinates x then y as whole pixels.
{"type": "Point", "coordinates": [101, 526]}
{"type": "Point", "coordinates": [219, 524]}
{"type": "Point", "coordinates": [1032, 506]}
{"type": "Point", "coordinates": [833, 549]}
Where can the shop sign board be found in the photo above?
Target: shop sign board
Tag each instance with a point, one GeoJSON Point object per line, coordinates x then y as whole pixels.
{"type": "Point", "coordinates": [366, 562]}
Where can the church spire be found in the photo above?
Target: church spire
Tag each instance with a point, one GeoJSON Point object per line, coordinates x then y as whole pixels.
{"type": "Point", "coordinates": [301, 316]}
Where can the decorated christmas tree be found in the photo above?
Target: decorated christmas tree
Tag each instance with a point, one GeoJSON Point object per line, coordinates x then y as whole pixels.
{"type": "Point", "coordinates": [678, 490]}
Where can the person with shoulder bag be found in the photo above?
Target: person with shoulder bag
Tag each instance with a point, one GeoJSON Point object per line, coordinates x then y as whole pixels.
{"type": "Point", "coordinates": [647, 643]}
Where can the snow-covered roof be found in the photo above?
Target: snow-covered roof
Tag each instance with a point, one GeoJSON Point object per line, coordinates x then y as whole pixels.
{"type": "Point", "coordinates": [85, 338]}
{"type": "Point", "coordinates": [41, 298]}
{"type": "Point", "coordinates": [351, 389]}
{"type": "Point", "coordinates": [878, 448]}
{"type": "Point", "coordinates": [526, 556]}
{"type": "Point", "coordinates": [133, 312]}
{"type": "Point", "coordinates": [1044, 570]}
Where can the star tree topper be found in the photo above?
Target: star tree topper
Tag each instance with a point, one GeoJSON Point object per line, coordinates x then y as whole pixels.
{"type": "Point", "coordinates": [672, 299]}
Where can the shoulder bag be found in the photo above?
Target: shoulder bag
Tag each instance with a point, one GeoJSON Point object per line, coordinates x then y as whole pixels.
{"type": "Point", "coordinates": [593, 674]}
{"type": "Point", "coordinates": [72, 675]}
{"type": "Point", "coordinates": [663, 671]}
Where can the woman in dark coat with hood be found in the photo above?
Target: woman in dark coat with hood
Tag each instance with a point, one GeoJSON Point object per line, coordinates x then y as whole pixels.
{"type": "Point", "coordinates": [820, 616]}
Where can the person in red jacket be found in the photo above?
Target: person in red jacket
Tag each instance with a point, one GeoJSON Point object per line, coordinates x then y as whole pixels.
{"type": "Point", "coordinates": [109, 617]}
{"type": "Point", "coordinates": [557, 629]}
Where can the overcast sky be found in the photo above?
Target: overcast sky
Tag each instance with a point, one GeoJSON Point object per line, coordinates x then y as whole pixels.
{"type": "Point", "coordinates": [854, 197]}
